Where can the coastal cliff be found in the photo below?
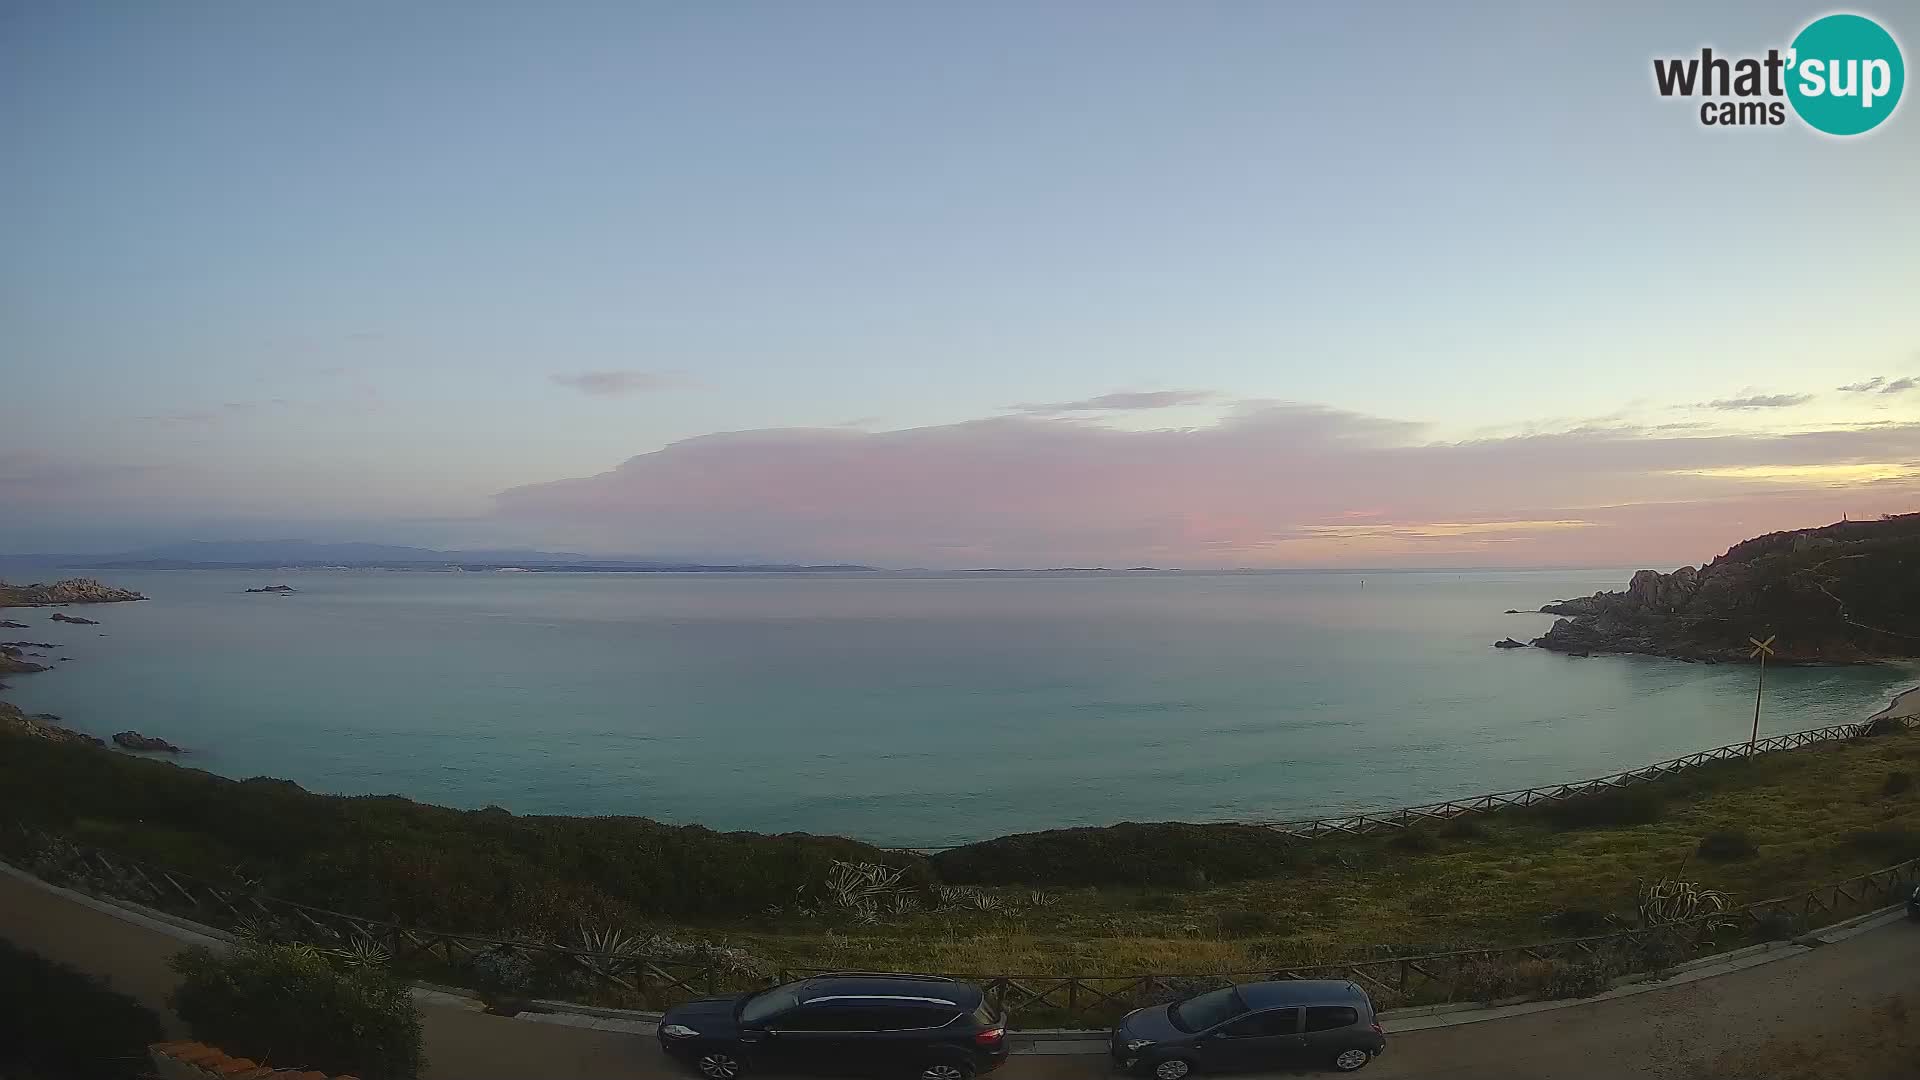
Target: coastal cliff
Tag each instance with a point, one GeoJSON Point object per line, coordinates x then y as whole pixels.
{"type": "Point", "coordinates": [1844, 593]}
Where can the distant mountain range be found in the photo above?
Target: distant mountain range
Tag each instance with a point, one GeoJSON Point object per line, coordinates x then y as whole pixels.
{"type": "Point", "coordinates": [298, 554]}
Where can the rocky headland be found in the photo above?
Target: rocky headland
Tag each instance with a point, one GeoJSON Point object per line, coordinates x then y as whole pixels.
{"type": "Point", "coordinates": [1845, 593]}
{"type": "Point", "coordinates": [70, 591]}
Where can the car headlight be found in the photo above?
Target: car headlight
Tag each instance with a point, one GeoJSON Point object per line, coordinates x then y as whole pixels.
{"type": "Point", "coordinates": [678, 1031]}
{"type": "Point", "coordinates": [1134, 1046]}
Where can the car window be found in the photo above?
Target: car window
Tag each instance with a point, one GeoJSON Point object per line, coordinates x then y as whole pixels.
{"type": "Point", "coordinates": [1260, 1025]}
{"type": "Point", "coordinates": [1213, 1007]}
{"type": "Point", "coordinates": [914, 1017]}
{"type": "Point", "coordinates": [1328, 1017]}
{"type": "Point", "coordinates": [767, 1003]}
{"type": "Point", "coordinates": [833, 1018]}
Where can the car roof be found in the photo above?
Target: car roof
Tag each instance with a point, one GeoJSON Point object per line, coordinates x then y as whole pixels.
{"type": "Point", "coordinates": [1288, 992]}
{"type": "Point", "coordinates": [878, 989]}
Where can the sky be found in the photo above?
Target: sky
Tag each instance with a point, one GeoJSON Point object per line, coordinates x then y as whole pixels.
{"type": "Point", "coordinates": [1213, 284]}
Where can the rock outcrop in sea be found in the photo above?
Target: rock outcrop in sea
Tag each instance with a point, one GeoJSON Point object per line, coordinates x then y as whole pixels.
{"type": "Point", "coordinates": [1846, 593]}
{"type": "Point", "coordinates": [70, 591]}
{"type": "Point", "coordinates": [274, 589]}
{"type": "Point", "coordinates": [133, 740]}
{"type": "Point", "coordinates": [1509, 643]}
{"type": "Point", "coordinates": [61, 616]}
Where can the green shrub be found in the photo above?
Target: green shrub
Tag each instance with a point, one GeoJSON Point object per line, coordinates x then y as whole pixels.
{"type": "Point", "coordinates": [1898, 783]}
{"type": "Point", "coordinates": [1894, 843]}
{"type": "Point", "coordinates": [285, 1005]}
{"type": "Point", "coordinates": [1727, 845]}
{"type": "Point", "coordinates": [1413, 842]}
{"type": "Point", "coordinates": [1775, 926]}
{"type": "Point", "coordinates": [1464, 827]}
{"type": "Point", "coordinates": [1162, 855]}
{"type": "Point", "coordinates": [390, 858]}
{"type": "Point", "coordinates": [57, 1022]}
{"type": "Point", "coordinates": [1621, 806]}
{"type": "Point", "coordinates": [1247, 923]}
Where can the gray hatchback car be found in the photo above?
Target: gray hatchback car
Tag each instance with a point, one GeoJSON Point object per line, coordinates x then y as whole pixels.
{"type": "Point", "coordinates": [1304, 1023]}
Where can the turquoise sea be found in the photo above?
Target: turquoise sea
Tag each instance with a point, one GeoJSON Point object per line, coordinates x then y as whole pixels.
{"type": "Point", "coordinates": [906, 709]}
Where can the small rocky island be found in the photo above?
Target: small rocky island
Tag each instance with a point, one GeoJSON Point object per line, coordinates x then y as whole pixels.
{"type": "Point", "coordinates": [1845, 593]}
{"type": "Point", "coordinates": [61, 616]}
{"type": "Point", "coordinates": [282, 589]}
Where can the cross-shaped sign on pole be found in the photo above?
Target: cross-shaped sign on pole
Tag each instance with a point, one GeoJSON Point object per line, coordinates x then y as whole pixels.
{"type": "Point", "coordinates": [1761, 650]}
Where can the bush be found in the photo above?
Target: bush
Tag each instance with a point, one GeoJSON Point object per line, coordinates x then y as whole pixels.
{"type": "Point", "coordinates": [287, 1006]}
{"type": "Point", "coordinates": [1898, 783]}
{"type": "Point", "coordinates": [1464, 827]}
{"type": "Point", "coordinates": [1413, 842]}
{"type": "Point", "coordinates": [60, 1023]}
{"type": "Point", "coordinates": [1621, 806]}
{"type": "Point", "coordinates": [1247, 923]}
{"type": "Point", "coordinates": [1775, 926]}
{"type": "Point", "coordinates": [1160, 855]}
{"type": "Point", "coordinates": [1894, 843]}
{"type": "Point", "coordinates": [1727, 845]}
{"type": "Point", "coordinates": [401, 861]}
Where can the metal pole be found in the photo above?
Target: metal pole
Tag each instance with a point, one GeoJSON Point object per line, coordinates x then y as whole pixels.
{"type": "Point", "coordinates": [1756, 704]}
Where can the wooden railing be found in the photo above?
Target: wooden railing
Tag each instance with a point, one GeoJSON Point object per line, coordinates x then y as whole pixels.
{"type": "Point", "coordinates": [1564, 968]}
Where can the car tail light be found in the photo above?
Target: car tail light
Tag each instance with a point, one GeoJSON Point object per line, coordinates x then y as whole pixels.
{"type": "Point", "coordinates": [1377, 1029]}
{"type": "Point", "coordinates": [991, 1036]}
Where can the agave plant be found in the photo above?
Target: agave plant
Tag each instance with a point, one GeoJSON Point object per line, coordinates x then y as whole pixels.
{"type": "Point", "coordinates": [361, 952]}
{"type": "Point", "coordinates": [953, 896]}
{"type": "Point", "coordinates": [848, 884]}
{"type": "Point", "coordinates": [1668, 901]}
{"type": "Point", "coordinates": [1042, 899]}
{"type": "Point", "coordinates": [609, 946]}
{"type": "Point", "coordinates": [903, 903]}
{"type": "Point", "coordinates": [985, 902]}
{"type": "Point", "coordinates": [261, 929]}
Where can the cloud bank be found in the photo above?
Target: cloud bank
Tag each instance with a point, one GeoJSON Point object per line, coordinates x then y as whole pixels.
{"type": "Point", "coordinates": [1273, 484]}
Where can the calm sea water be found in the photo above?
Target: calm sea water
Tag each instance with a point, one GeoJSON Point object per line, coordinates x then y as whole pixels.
{"type": "Point", "coordinates": [907, 710]}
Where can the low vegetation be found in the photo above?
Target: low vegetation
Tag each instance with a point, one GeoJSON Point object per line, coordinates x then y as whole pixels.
{"type": "Point", "coordinates": [1127, 899]}
{"type": "Point", "coordinates": [58, 1024]}
{"type": "Point", "coordinates": [290, 1006]}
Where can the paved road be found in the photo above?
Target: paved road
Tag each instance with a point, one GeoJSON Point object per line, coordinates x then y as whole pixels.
{"type": "Point", "coordinates": [1659, 1034]}
{"type": "Point", "coordinates": [1656, 1034]}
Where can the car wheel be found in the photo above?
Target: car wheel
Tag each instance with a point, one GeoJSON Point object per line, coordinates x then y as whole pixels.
{"type": "Point", "coordinates": [947, 1070]}
{"type": "Point", "coordinates": [1351, 1060]}
{"type": "Point", "coordinates": [719, 1065]}
{"type": "Point", "coordinates": [1173, 1069]}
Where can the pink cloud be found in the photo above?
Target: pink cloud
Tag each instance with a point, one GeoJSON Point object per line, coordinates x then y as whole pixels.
{"type": "Point", "coordinates": [1274, 484]}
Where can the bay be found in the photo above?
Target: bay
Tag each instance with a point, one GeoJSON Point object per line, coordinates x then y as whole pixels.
{"type": "Point", "coordinates": [907, 709]}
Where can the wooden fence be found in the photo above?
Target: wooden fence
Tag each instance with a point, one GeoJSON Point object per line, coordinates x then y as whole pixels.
{"type": "Point", "coordinates": [635, 979]}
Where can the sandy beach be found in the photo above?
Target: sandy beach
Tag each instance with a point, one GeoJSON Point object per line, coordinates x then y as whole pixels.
{"type": "Point", "coordinates": [1904, 705]}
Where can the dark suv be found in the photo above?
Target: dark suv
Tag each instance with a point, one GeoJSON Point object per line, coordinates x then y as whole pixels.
{"type": "Point", "coordinates": [1267, 1025]}
{"type": "Point", "coordinates": [851, 1023]}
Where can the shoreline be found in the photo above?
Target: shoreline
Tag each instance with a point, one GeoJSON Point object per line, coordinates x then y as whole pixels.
{"type": "Point", "coordinates": [1904, 706]}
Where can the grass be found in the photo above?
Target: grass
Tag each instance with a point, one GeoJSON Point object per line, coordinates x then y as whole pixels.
{"type": "Point", "coordinates": [1173, 899]}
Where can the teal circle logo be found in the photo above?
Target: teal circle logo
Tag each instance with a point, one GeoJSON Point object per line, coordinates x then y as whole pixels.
{"type": "Point", "coordinates": [1845, 74]}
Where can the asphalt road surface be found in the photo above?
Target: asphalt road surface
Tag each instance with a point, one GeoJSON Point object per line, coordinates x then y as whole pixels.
{"type": "Point", "coordinates": [1659, 1034]}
